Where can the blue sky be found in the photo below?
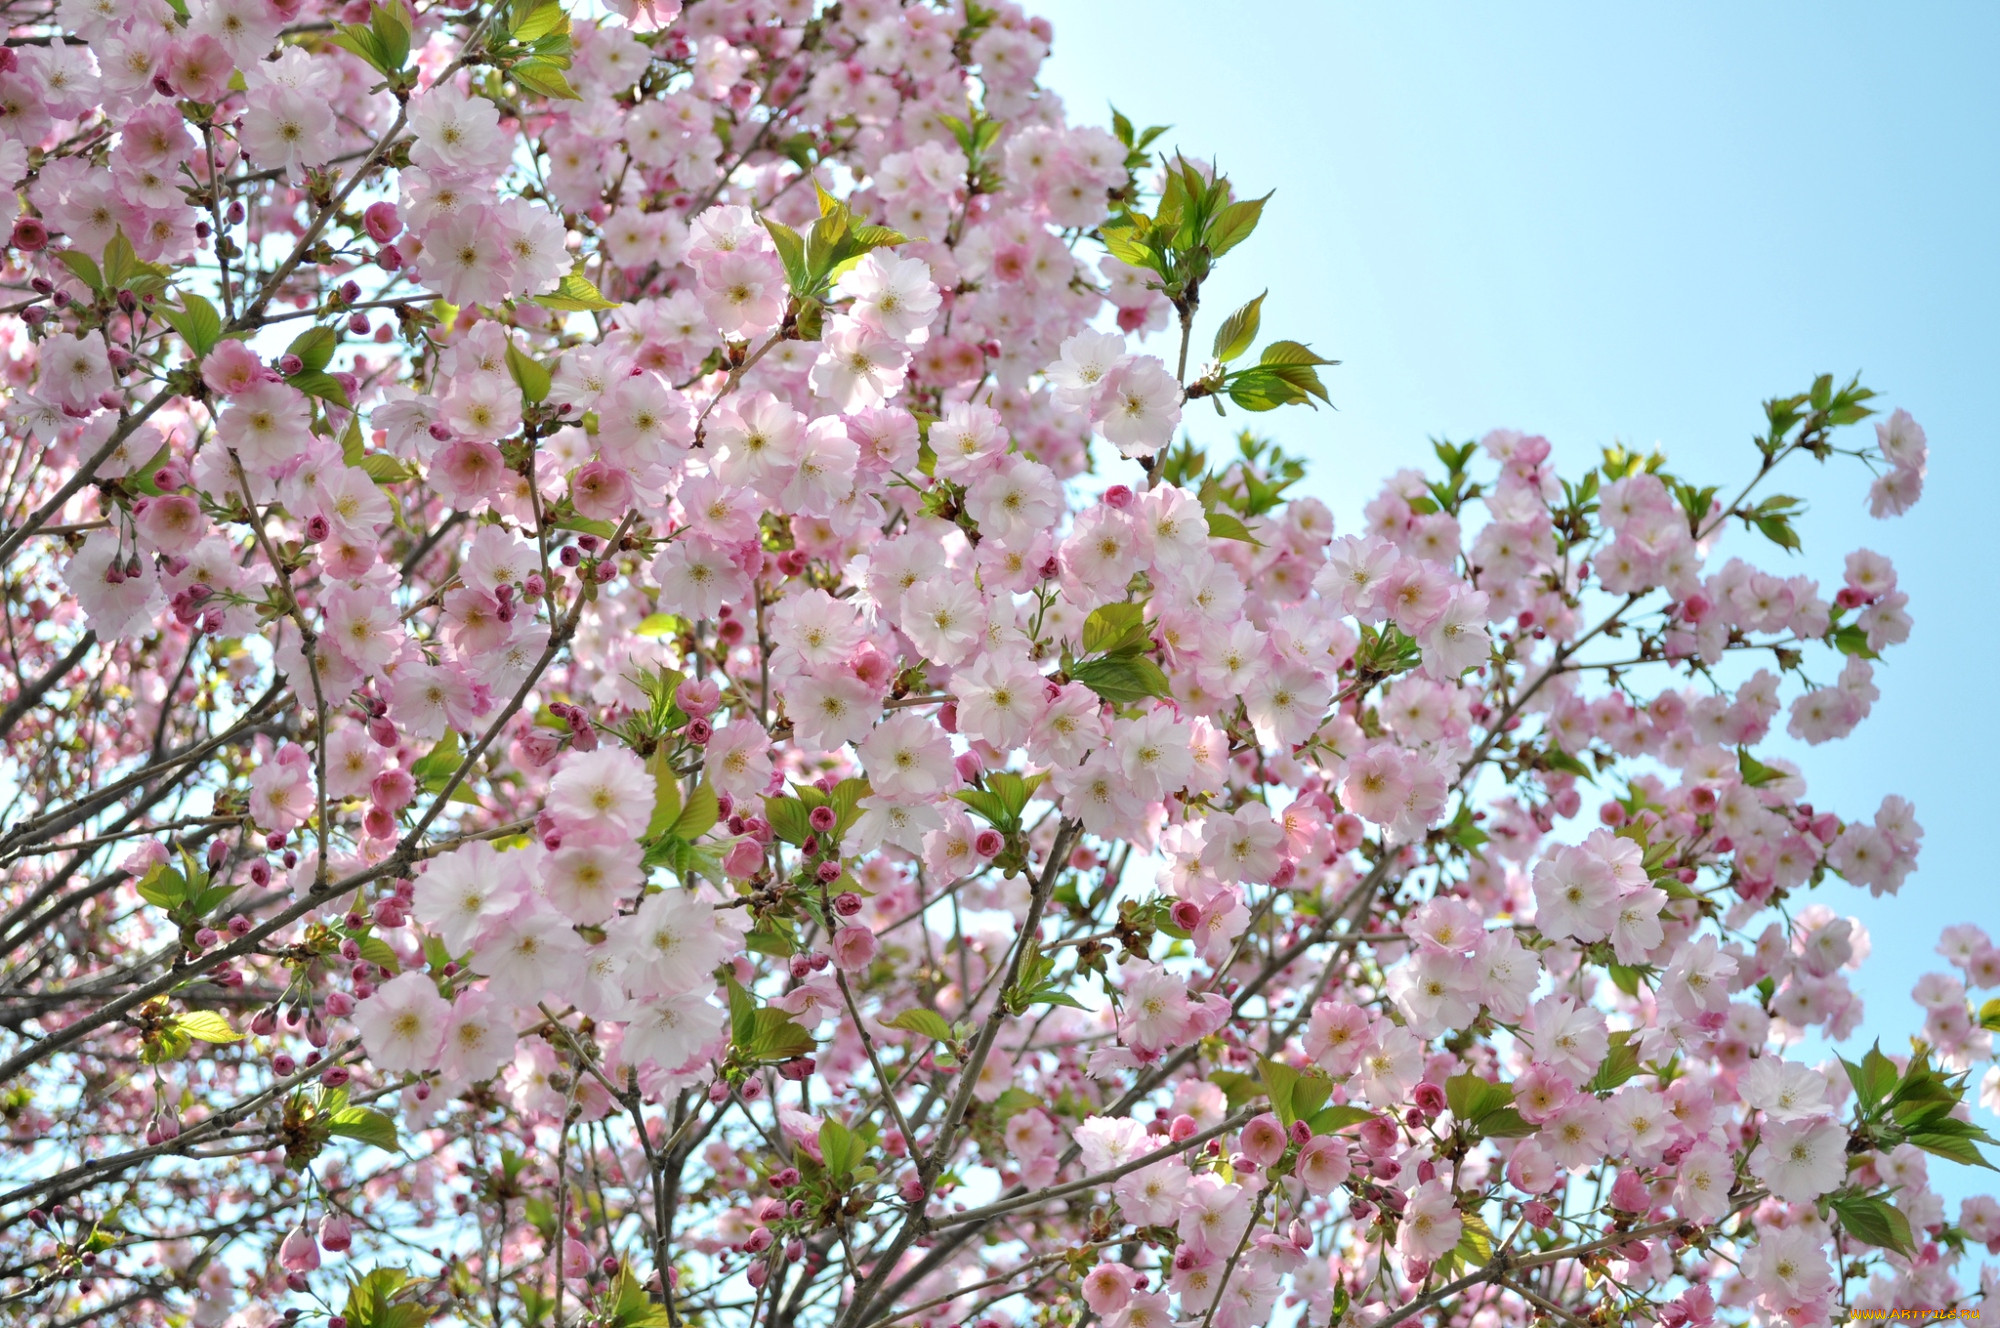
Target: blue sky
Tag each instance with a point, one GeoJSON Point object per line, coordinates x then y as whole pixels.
{"type": "Point", "coordinates": [1633, 224]}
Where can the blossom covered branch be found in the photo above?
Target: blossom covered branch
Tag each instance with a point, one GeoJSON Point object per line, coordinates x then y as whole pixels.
{"type": "Point", "coordinates": [632, 694]}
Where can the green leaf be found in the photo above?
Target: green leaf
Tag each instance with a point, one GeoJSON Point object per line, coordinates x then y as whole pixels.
{"type": "Point", "coordinates": [370, 1295]}
{"type": "Point", "coordinates": [392, 35]}
{"type": "Point", "coordinates": [1329, 1120]}
{"type": "Point", "coordinates": [760, 1033]}
{"type": "Point", "coordinates": [1873, 1079]}
{"type": "Point", "coordinates": [666, 794]}
{"type": "Point", "coordinates": [1237, 1087]}
{"type": "Point", "coordinates": [928, 1023]}
{"type": "Point", "coordinates": [1310, 1093]}
{"type": "Point", "coordinates": [575, 293]}
{"type": "Point", "coordinates": [788, 818]}
{"type": "Point", "coordinates": [632, 1306]}
{"type": "Point", "coordinates": [434, 768]}
{"type": "Point", "coordinates": [529, 374]}
{"type": "Point", "coordinates": [163, 887]}
{"type": "Point", "coordinates": [772, 936]}
{"type": "Point", "coordinates": [207, 1026]}
{"type": "Point", "coordinates": [1475, 1241]}
{"type": "Point", "coordinates": [1955, 1139]}
{"type": "Point", "coordinates": [1626, 977]}
{"type": "Point", "coordinates": [1124, 242]}
{"type": "Point", "coordinates": [1280, 1082]}
{"type": "Point", "coordinates": [540, 21]}
{"type": "Point", "coordinates": [545, 77]}
{"type": "Point", "coordinates": [1272, 384]}
{"type": "Point", "coordinates": [657, 625]}
{"type": "Point", "coordinates": [700, 814]}
{"type": "Point", "coordinates": [1225, 525]}
{"type": "Point", "coordinates": [1233, 225]}
{"type": "Point", "coordinates": [121, 264]}
{"type": "Point", "coordinates": [1754, 772]}
{"type": "Point", "coordinates": [988, 805]}
{"type": "Point", "coordinates": [314, 347]}
{"type": "Point", "coordinates": [1009, 794]}
{"type": "Point", "coordinates": [838, 1148]}
{"type": "Point", "coordinates": [1506, 1123]}
{"type": "Point", "coordinates": [1282, 353]}
{"type": "Point", "coordinates": [359, 39]}
{"type": "Point", "coordinates": [1871, 1218]}
{"type": "Point", "coordinates": [1239, 330]}
{"type": "Point", "coordinates": [322, 385]}
{"type": "Point", "coordinates": [1114, 628]}
{"type": "Point", "coordinates": [791, 252]}
{"type": "Point", "coordinates": [82, 266]}
{"type": "Point", "coordinates": [385, 469]}
{"type": "Point", "coordinates": [370, 1127]}
{"type": "Point", "coordinates": [377, 952]}
{"type": "Point", "coordinates": [1620, 1063]}
{"type": "Point", "coordinates": [1989, 1015]}
{"type": "Point", "coordinates": [1851, 639]}
{"type": "Point", "coordinates": [196, 320]}
{"type": "Point", "coordinates": [1120, 678]}
{"type": "Point", "coordinates": [846, 803]}
{"type": "Point", "coordinates": [1472, 1098]}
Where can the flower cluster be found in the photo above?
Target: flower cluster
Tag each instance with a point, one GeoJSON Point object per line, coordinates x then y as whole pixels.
{"type": "Point", "coordinates": [636, 697]}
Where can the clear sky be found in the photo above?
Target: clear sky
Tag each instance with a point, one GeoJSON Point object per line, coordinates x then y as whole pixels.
{"type": "Point", "coordinates": [1633, 223]}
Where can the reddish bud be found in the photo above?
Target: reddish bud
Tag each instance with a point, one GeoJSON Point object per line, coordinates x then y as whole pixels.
{"type": "Point", "coordinates": [30, 233]}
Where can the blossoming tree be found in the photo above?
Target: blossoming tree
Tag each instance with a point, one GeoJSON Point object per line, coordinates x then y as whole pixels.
{"type": "Point", "coordinates": [630, 700]}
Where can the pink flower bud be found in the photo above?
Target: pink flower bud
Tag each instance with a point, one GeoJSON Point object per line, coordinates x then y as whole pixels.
{"type": "Point", "coordinates": [382, 222]}
{"type": "Point", "coordinates": [393, 789]}
{"type": "Point", "coordinates": [745, 860]}
{"type": "Point", "coordinates": [30, 233]}
{"type": "Point", "coordinates": [336, 1233]}
{"type": "Point", "coordinates": [988, 843]}
{"type": "Point", "coordinates": [1184, 1127]}
{"type": "Point", "coordinates": [1628, 1193]}
{"type": "Point", "coordinates": [299, 1253]}
{"type": "Point", "coordinates": [1378, 1135]}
